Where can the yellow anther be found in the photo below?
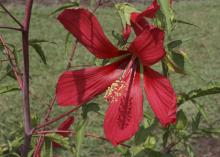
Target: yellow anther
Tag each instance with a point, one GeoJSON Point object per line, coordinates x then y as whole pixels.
{"type": "Point", "coordinates": [115, 91]}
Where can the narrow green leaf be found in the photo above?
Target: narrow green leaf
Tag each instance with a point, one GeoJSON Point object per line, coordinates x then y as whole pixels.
{"type": "Point", "coordinates": [201, 109]}
{"type": "Point", "coordinates": [38, 41]}
{"type": "Point", "coordinates": [125, 10]}
{"type": "Point", "coordinates": [190, 151]}
{"type": "Point", "coordinates": [212, 88]}
{"type": "Point", "coordinates": [65, 6]}
{"type": "Point", "coordinates": [40, 52]}
{"type": "Point", "coordinates": [211, 130]}
{"type": "Point", "coordinates": [184, 22]}
{"type": "Point", "coordinates": [47, 150]}
{"type": "Point", "coordinates": [79, 137]}
{"type": "Point", "coordinates": [67, 40]}
{"type": "Point", "coordinates": [63, 141]}
{"type": "Point", "coordinates": [168, 13]}
{"type": "Point", "coordinates": [196, 121]}
{"type": "Point", "coordinates": [8, 88]}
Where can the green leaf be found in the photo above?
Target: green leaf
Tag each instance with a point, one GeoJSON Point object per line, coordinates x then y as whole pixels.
{"type": "Point", "coordinates": [141, 135]}
{"type": "Point", "coordinates": [181, 120]}
{"type": "Point", "coordinates": [125, 10]}
{"type": "Point", "coordinates": [91, 107]}
{"type": "Point", "coordinates": [8, 88]}
{"type": "Point", "coordinates": [190, 151]}
{"type": "Point", "coordinates": [119, 38]}
{"type": "Point", "coordinates": [150, 142]}
{"type": "Point", "coordinates": [40, 52]}
{"type": "Point", "coordinates": [63, 141]}
{"type": "Point", "coordinates": [196, 121]}
{"type": "Point", "coordinates": [47, 149]}
{"type": "Point", "coordinates": [168, 13]}
{"type": "Point", "coordinates": [38, 41]}
{"type": "Point", "coordinates": [67, 40]}
{"type": "Point", "coordinates": [65, 6]}
{"type": "Point", "coordinates": [201, 109]}
{"type": "Point", "coordinates": [184, 22]}
{"type": "Point", "coordinates": [159, 20]}
{"type": "Point", "coordinates": [212, 88]}
{"type": "Point", "coordinates": [211, 130]}
{"type": "Point", "coordinates": [175, 63]}
{"type": "Point", "coordinates": [80, 133]}
{"type": "Point", "coordinates": [165, 137]}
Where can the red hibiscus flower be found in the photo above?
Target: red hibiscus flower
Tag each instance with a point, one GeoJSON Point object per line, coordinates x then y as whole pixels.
{"type": "Point", "coordinates": [138, 20]}
{"type": "Point", "coordinates": [64, 126]}
{"type": "Point", "coordinates": [120, 80]}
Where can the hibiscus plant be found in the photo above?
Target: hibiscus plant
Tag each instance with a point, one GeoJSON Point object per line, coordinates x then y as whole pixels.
{"type": "Point", "coordinates": [133, 72]}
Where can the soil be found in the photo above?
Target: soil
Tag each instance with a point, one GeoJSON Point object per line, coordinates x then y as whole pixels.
{"type": "Point", "coordinates": [207, 147]}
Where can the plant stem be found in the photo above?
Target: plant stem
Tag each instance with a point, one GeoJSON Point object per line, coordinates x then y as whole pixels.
{"type": "Point", "coordinates": [72, 55]}
{"type": "Point", "coordinates": [10, 14]}
{"type": "Point", "coordinates": [72, 132]}
{"type": "Point", "coordinates": [56, 119]}
{"type": "Point", "coordinates": [26, 102]}
{"type": "Point", "coordinates": [11, 28]}
{"type": "Point", "coordinates": [13, 62]}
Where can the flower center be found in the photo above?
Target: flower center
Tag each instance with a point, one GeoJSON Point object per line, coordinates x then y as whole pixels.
{"type": "Point", "coordinates": [115, 91]}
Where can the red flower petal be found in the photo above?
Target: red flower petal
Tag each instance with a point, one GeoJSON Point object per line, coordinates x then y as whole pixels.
{"type": "Point", "coordinates": [138, 22]}
{"type": "Point", "coordinates": [139, 26]}
{"type": "Point", "coordinates": [151, 10]}
{"type": "Point", "coordinates": [64, 126]}
{"type": "Point", "coordinates": [80, 86]}
{"type": "Point", "coordinates": [86, 28]}
{"type": "Point", "coordinates": [148, 46]}
{"type": "Point", "coordinates": [161, 96]}
{"type": "Point", "coordinates": [124, 115]}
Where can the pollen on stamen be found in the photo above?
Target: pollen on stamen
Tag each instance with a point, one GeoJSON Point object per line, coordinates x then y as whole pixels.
{"type": "Point", "coordinates": [115, 91]}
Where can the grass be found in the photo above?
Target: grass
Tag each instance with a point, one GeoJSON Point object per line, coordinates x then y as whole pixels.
{"type": "Point", "coordinates": [203, 51]}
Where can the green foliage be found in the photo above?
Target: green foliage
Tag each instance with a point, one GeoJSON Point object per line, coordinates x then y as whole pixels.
{"type": "Point", "coordinates": [94, 107]}
{"type": "Point", "coordinates": [80, 133]}
{"type": "Point", "coordinates": [65, 6]}
{"type": "Point", "coordinates": [47, 150]}
{"type": "Point", "coordinates": [61, 140]}
{"type": "Point", "coordinates": [168, 13]}
{"type": "Point", "coordinates": [36, 45]}
{"type": "Point", "coordinates": [181, 120]}
{"type": "Point", "coordinates": [125, 10]}
{"type": "Point", "coordinates": [212, 88]}
{"type": "Point", "coordinates": [8, 88]}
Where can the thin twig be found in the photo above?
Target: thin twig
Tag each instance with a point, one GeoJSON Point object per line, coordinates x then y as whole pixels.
{"type": "Point", "coordinates": [71, 55]}
{"type": "Point", "coordinates": [11, 28]}
{"type": "Point", "coordinates": [55, 119]}
{"type": "Point", "coordinates": [72, 132]}
{"type": "Point", "coordinates": [10, 14]}
{"type": "Point", "coordinates": [13, 62]}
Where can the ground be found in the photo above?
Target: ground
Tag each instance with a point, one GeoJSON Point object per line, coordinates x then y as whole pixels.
{"type": "Point", "coordinates": [203, 51]}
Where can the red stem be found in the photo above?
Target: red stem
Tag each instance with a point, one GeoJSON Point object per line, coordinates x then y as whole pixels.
{"type": "Point", "coordinates": [56, 119]}
{"type": "Point", "coordinates": [26, 103]}
{"type": "Point", "coordinates": [86, 134]}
